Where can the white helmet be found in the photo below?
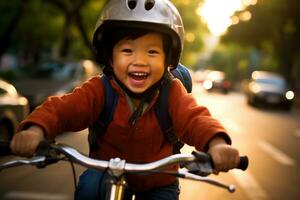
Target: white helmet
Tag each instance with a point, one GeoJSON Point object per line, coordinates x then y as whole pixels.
{"type": "Point", "coordinates": [156, 15]}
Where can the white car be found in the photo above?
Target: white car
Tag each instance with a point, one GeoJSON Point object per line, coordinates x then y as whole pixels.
{"type": "Point", "coordinates": [13, 109]}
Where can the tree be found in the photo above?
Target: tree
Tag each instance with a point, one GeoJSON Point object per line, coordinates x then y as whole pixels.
{"type": "Point", "coordinates": [71, 10]}
{"type": "Point", "coordinates": [276, 24]}
{"type": "Point", "coordinates": [46, 25]}
{"type": "Point", "coordinates": [232, 59]}
{"type": "Point", "coordinates": [5, 37]}
{"type": "Point", "coordinates": [194, 30]}
{"type": "Point", "coordinates": [61, 29]}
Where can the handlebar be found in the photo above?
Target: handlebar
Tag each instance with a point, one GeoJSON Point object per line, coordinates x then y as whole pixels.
{"type": "Point", "coordinates": [197, 165]}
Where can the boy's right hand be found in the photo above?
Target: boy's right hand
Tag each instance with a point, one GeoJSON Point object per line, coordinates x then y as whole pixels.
{"type": "Point", "coordinates": [25, 143]}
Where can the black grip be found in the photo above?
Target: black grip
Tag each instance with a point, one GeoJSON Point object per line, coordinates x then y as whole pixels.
{"type": "Point", "coordinates": [44, 147]}
{"type": "Point", "coordinates": [244, 162]}
{"type": "Point", "coordinates": [5, 148]}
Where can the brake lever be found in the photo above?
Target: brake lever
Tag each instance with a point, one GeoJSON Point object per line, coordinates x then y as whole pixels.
{"type": "Point", "coordinates": [185, 174]}
{"type": "Point", "coordinates": [203, 166]}
{"type": "Point", "coordinates": [36, 160]}
{"type": "Point", "coordinates": [40, 159]}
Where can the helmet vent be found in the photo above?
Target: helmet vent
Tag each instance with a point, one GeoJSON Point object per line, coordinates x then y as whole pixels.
{"type": "Point", "coordinates": [131, 4]}
{"type": "Point", "coordinates": [149, 4]}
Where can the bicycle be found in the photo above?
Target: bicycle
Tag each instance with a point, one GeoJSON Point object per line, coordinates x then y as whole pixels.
{"type": "Point", "coordinates": [196, 166]}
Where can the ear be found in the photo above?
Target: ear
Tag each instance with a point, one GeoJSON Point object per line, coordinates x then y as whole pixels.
{"type": "Point", "coordinates": [111, 62]}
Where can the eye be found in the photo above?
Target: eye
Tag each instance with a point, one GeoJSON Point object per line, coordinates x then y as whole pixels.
{"type": "Point", "coordinates": [126, 50]}
{"type": "Point", "coordinates": [153, 51]}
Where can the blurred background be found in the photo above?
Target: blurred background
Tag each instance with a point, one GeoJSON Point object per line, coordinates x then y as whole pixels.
{"type": "Point", "coordinates": [244, 58]}
{"type": "Point", "coordinates": [234, 36]}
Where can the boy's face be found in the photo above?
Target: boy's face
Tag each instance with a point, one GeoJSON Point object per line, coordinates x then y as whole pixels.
{"type": "Point", "coordinates": [139, 63]}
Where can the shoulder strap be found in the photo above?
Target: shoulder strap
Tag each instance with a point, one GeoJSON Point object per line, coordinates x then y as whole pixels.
{"type": "Point", "coordinates": [111, 99]}
{"type": "Point", "coordinates": [182, 73]}
{"type": "Point", "coordinates": [164, 119]}
{"type": "Point", "coordinates": [98, 128]}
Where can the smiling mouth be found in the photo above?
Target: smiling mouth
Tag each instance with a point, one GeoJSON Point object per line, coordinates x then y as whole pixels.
{"type": "Point", "coordinates": [139, 75]}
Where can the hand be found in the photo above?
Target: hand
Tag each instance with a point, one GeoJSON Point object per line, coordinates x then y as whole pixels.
{"type": "Point", "coordinates": [224, 156]}
{"type": "Point", "coordinates": [25, 143]}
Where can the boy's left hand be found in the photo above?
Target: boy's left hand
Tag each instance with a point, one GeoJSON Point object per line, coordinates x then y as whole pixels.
{"type": "Point", "coordinates": [224, 156]}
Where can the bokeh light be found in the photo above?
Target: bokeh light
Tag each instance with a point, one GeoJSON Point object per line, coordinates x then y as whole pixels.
{"type": "Point", "coordinates": [219, 14]}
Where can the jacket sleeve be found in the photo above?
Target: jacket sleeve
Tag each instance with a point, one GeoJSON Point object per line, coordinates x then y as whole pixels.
{"type": "Point", "coordinates": [74, 111]}
{"type": "Point", "coordinates": [192, 122]}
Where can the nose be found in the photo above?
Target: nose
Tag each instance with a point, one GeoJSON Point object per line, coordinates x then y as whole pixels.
{"type": "Point", "coordinates": [140, 59]}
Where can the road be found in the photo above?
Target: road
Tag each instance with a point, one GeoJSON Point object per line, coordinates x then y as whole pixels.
{"type": "Point", "coordinates": [270, 138]}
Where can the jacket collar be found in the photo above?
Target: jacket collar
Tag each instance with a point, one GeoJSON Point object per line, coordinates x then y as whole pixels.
{"type": "Point", "coordinates": [123, 94]}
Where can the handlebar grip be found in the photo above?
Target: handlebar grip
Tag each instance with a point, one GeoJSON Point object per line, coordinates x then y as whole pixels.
{"type": "Point", "coordinates": [244, 162]}
{"type": "Point", "coordinates": [5, 148]}
{"type": "Point", "coordinates": [44, 147]}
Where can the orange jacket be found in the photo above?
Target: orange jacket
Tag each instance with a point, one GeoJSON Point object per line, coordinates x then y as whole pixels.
{"type": "Point", "coordinates": [139, 143]}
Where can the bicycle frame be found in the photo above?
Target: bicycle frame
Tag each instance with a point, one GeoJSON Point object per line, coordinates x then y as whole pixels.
{"type": "Point", "coordinates": [117, 189]}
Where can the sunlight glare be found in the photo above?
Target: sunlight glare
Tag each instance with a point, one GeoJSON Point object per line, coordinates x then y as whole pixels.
{"type": "Point", "coordinates": [217, 14]}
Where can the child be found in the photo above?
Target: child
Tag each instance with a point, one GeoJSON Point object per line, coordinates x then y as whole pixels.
{"type": "Point", "coordinates": [138, 42]}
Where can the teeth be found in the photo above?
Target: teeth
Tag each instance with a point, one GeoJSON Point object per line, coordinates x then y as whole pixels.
{"type": "Point", "coordinates": [138, 74]}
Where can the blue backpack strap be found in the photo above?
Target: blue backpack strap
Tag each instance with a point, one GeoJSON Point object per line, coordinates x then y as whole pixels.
{"type": "Point", "coordinates": [182, 73]}
{"type": "Point", "coordinates": [161, 107]}
{"type": "Point", "coordinates": [99, 127]}
{"type": "Point", "coordinates": [164, 119]}
{"type": "Point", "coordinates": [110, 103]}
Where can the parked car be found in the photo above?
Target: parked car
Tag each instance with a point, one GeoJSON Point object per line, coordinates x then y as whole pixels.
{"type": "Point", "coordinates": [199, 76]}
{"type": "Point", "coordinates": [216, 80]}
{"type": "Point", "coordinates": [13, 109]}
{"type": "Point", "coordinates": [60, 79]}
{"type": "Point", "coordinates": [267, 88]}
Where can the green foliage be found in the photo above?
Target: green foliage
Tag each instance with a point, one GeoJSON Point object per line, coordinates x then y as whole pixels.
{"type": "Point", "coordinates": [8, 75]}
{"type": "Point", "coordinates": [90, 13]}
{"type": "Point", "coordinates": [194, 27]}
{"type": "Point", "coordinates": [44, 28]}
{"type": "Point", "coordinates": [40, 26]}
{"type": "Point", "coordinates": [232, 59]}
{"type": "Point", "coordinates": [274, 30]}
{"type": "Point", "coordinates": [8, 11]}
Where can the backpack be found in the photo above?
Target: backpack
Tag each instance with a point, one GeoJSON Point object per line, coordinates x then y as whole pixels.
{"type": "Point", "coordinates": [98, 128]}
